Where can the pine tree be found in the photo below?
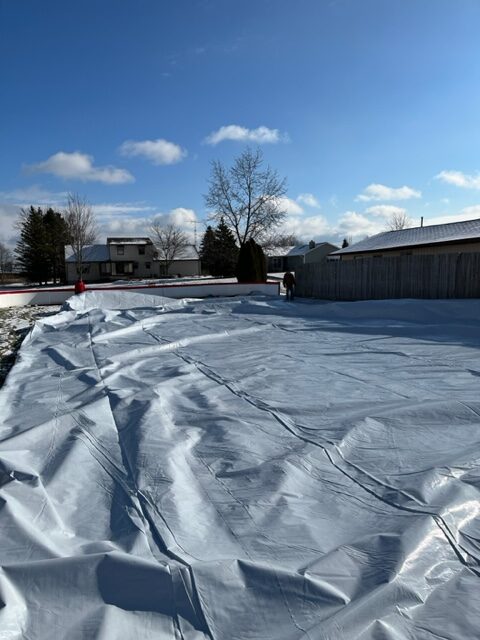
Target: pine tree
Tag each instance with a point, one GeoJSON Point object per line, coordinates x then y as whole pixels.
{"type": "Point", "coordinates": [208, 250]}
{"type": "Point", "coordinates": [41, 248]}
{"type": "Point", "coordinates": [218, 251]}
{"type": "Point", "coordinates": [57, 238]}
{"type": "Point", "coordinates": [345, 243]}
{"type": "Point", "coordinates": [32, 247]}
{"type": "Point", "coordinates": [226, 250]}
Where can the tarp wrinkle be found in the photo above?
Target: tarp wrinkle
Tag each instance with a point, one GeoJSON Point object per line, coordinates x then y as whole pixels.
{"type": "Point", "coordinates": [242, 468]}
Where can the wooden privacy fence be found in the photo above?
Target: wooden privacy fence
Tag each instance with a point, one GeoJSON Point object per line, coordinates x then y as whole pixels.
{"type": "Point", "coordinates": [447, 275]}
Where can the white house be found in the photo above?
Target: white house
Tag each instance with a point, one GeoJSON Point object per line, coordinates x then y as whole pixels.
{"type": "Point", "coordinates": [129, 258]}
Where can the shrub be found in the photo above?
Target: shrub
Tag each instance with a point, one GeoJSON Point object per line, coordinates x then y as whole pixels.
{"type": "Point", "coordinates": [251, 265]}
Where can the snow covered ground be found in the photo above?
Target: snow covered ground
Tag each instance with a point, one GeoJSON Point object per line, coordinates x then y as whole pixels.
{"type": "Point", "coordinates": [242, 468]}
{"type": "Point", "coordinates": [14, 325]}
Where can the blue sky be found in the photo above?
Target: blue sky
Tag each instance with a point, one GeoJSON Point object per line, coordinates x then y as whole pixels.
{"type": "Point", "coordinates": [366, 106]}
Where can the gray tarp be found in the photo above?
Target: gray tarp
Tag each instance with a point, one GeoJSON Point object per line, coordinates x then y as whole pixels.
{"type": "Point", "coordinates": [243, 469]}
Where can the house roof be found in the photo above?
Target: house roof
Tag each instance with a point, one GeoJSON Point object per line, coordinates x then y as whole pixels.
{"type": "Point", "coordinates": [278, 252]}
{"type": "Point", "coordinates": [120, 240]}
{"type": "Point", "coordinates": [303, 249]}
{"type": "Point", "coordinates": [433, 234]}
{"type": "Point", "coordinates": [90, 253]}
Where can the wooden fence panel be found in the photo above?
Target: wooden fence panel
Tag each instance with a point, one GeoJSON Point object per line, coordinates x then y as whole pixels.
{"type": "Point", "coordinates": [447, 275]}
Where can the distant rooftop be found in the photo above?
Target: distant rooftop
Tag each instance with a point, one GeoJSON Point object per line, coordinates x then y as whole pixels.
{"type": "Point", "coordinates": [302, 249]}
{"type": "Point", "coordinates": [299, 250]}
{"type": "Point", "coordinates": [432, 234]}
{"type": "Point", "coordinates": [129, 241]}
{"type": "Point", "coordinates": [90, 253]}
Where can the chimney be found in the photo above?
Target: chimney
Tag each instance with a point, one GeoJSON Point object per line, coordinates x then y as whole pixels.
{"type": "Point", "coordinates": [421, 221]}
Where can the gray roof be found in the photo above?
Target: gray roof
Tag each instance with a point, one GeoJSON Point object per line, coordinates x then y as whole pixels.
{"type": "Point", "coordinates": [433, 234]}
{"type": "Point", "coordinates": [303, 249]}
{"type": "Point", "coordinates": [129, 240]}
{"type": "Point", "coordinates": [277, 252]}
{"type": "Point", "coordinates": [90, 253]}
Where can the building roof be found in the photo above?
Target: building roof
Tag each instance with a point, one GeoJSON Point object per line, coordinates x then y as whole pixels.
{"type": "Point", "coordinates": [189, 252]}
{"type": "Point", "coordinates": [278, 252]}
{"type": "Point", "coordinates": [90, 253]}
{"type": "Point", "coordinates": [433, 234]}
{"type": "Point", "coordinates": [120, 240]}
{"type": "Point", "coordinates": [303, 249]}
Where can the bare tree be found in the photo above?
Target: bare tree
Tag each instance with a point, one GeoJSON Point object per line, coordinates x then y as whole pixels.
{"type": "Point", "coordinates": [170, 242]}
{"type": "Point", "coordinates": [274, 240]}
{"type": "Point", "coordinates": [399, 220]}
{"type": "Point", "coordinates": [248, 196]}
{"type": "Point", "coordinates": [81, 226]}
{"type": "Point", "coordinates": [6, 260]}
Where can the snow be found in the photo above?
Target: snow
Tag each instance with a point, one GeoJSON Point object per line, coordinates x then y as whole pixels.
{"type": "Point", "coordinates": [242, 468]}
{"type": "Point", "coordinates": [14, 323]}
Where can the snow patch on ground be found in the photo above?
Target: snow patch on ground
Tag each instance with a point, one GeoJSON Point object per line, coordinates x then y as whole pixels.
{"type": "Point", "coordinates": [14, 325]}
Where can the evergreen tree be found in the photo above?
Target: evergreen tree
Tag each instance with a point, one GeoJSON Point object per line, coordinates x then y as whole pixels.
{"type": "Point", "coordinates": [218, 251]}
{"type": "Point", "coordinates": [208, 251]}
{"type": "Point", "coordinates": [345, 243]}
{"type": "Point", "coordinates": [32, 248]}
{"type": "Point", "coordinates": [57, 238]}
{"type": "Point", "coordinates": [252, 266]}
{"type": "Point", "coordinates": [226, 250]}
{"type": "Point", "coordinates": [41, 247]}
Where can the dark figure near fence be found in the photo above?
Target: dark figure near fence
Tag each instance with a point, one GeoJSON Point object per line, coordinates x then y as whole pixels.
{"type": "Point", "coordinates": [289, 284]}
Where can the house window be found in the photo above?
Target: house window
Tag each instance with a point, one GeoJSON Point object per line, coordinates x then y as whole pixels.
{"type": "Point", "coordinates": [147, 265]}
{"type": "Point", "coordinates": [123, 268]}
{"type": "Point", "coordinates": [105, 268]}
{"type": "Point", "coordinates": [120, 250]}
{"type": "Point", "coordinates": [141, 250]}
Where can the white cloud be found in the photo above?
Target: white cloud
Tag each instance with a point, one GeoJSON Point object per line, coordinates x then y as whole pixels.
{"type": "Point", "coordinates": [306, 227]}
{"type": "Point", "coordinates": [459, 179]}
{"type": "Point", "coordinates": [9, 215]}
{"type": "Point", "coordinates": [309, 200]}
{"type": "Point", "coordinates": [158, 151]}
{"type": "Point", "coordinates": [115, 223]}
{"type": "Point", "coordinates": [358, 226]}
{"type": "Point", "coordinates": [34, 195]}
{"type": "Point", "coordinates": [382, 192]}
{"type": "Point", "coordinates": [122, 226]}
{"type": "Point", "coordinates": [386, 210]}
{"type": "Point", "coordinates": [261, 135]}
{"type": "Point", "coordinates": [119, 208]}
{"type": "Point", "coordinates": [79, 166]}
{"type": "Point", "coordinates": [291, 207]}
{"type": "Point", "coordinates": [182, 217]}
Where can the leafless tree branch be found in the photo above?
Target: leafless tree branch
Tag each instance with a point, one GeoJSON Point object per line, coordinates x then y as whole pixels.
{"type": "Point", "coordinates": [170, 242]}
{"type": "Point", "coordinates": [81, 225]}
{"type": "Point", "coordinates": [248, 196]}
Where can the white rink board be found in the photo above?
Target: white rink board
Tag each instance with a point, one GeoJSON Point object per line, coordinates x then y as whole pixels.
{"type": "Point", "coordinates": [46, 296]}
